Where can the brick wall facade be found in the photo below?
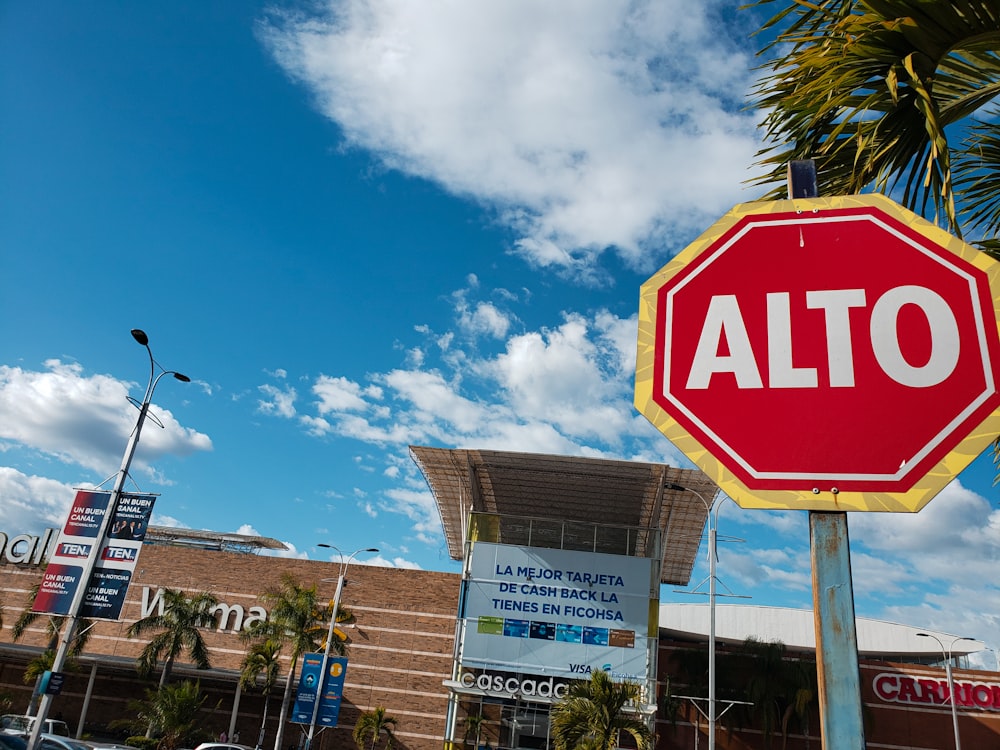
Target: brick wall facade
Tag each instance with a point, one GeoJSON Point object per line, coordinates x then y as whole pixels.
{"type": "Point", "coordinates": [400, 650]}
{"type": "Point", "coordinates": [400, 644]}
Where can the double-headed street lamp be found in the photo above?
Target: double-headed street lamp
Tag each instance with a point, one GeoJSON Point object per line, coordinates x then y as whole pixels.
{"type": "Point", "coordinates": [87, 571]}
{"type": "Point", "coordinates": [330, 633]}
{"type": "Point", "coordinates": [712, 513]}
{"type": "Point", "coordinates": [951, 682]}
{"type": "Point", "coordinates": [712, 540]}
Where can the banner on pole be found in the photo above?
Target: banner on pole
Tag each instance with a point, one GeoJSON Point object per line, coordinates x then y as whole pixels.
{"type": "Point", "coordinates": [112, 562]}
{"type": "Point", "coordinates": [330, 690]}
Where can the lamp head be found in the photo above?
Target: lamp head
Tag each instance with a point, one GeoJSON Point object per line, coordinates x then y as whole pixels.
{"type": "Point", "coordinates": [140, 335]}
{"type": "Point", "coordinates": [182, 377]}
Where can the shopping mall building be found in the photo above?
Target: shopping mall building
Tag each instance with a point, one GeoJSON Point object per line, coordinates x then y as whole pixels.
{"type": "Point", "coordinates": [562, 563]}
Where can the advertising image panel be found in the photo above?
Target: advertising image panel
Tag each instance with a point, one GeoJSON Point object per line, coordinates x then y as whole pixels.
{"type": "Point", "coordinates": [558, 612]}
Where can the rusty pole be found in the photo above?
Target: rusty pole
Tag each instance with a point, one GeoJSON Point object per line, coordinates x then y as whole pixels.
{"type": "Point", "coordinates": [841, 724]}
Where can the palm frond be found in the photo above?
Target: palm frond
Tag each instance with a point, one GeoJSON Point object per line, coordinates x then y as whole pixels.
{"type": "Point", "coordinates": [870, 90]}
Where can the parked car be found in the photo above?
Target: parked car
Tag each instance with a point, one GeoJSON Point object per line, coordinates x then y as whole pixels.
{"type": "Point", "coordinates": [58, 742]}
{"type": "Point", "coordinates": [21, 725]}
{"type": "Point", "coordinates": [222, 746]}
{"type": "Point", "coordinates": [12, 742]}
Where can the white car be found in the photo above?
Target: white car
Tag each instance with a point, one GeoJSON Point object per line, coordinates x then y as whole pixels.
{"type": "Point", "coordinates": [58, 742]}
{"type": "Point", "coordinates": [21, 725]}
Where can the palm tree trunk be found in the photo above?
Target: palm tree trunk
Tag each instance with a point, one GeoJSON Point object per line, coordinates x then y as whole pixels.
{"type": "Point", "coordinates": [163, 681]}
{"type": "Point", "coordinates": [263, 722]}
{"type": "Point", "coordinates": [285, 702]}
{"type": "Point", "coordinates": [167, 668]}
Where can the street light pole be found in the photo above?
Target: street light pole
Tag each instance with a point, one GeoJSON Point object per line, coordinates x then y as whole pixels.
{"type": "Point", "coordinates": [996, 657]}
{"type": "Point", "coordinates": [72, 619]}
{"type": "Point", "coordinates": [329, 635]}
{"type": "Point", "coordinates": [951, 682]}
{"type": "Point", "coordinates": [712, 541]}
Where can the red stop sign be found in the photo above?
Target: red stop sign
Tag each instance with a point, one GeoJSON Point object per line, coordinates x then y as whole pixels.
{"type": "Point", "coordinates": [813, 353]}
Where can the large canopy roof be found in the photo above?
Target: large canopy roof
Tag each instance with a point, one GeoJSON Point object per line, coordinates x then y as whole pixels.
{"type": "Point", "coordinates": [796, 630]}
{"type": "Point", "coordinates": [565, 488]}
{"type": "Point", "coordinates": [204, 539]}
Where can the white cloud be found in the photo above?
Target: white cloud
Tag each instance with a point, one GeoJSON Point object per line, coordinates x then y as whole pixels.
{"type": "Point", "coordinates": [568, 390]}
{"type": "Point", "coordinates": [748, 568]}
{"type": "Point", "coordinates": [85, 420]}
{"type": "Point", "coordinates": [340, 394]}
{"type": "Point", "coordinates": [396, 562]}
{"type": "Point", "coordinates": [290, 551]}
{"type": "Point", "coordinates": [954, 538]}
{"type": "Point", "coordinates": [278, 401]}
{"type": "Point", "coordinates": [485, 318]}
{"type": "Point", "coordinates": [567, 376]}
{"type": "Point", "coordinates": [160, 519]}
{"type": "Point", "coordinates": [565, 390]}
{"type": "Point", "coordinates": [32, 504]}
{"type": "Point", "coordinates": [420, 508]}
{"type": "Point", "coordinates": [790, 524]}
{"type": "Point", "coordinates": [561, 390]}
{"type": "Point", "coordinates": [940, 561]}
{"type": "Point", "coordinates": [586, 125]}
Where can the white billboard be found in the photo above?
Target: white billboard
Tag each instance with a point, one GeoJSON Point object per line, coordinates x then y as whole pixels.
{"type": "Point", "coordinates": [559, 612]}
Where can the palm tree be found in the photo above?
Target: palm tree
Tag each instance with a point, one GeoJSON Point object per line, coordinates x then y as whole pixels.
{"type": "Point", "coordinates": [474, 728]}
{"type": "Point", "coordinates": [173, 712]}
{"type": "Point", "coordinates": [594, 713]}
{"type": "Point", "coordinates": [262, 658]}
{"type": "Point", "coordinates": [179, 630]}
{"type": "Point", "coordinates": [38, 667]}
{"type": "Point", "coordinates": [767, 682]}
{"type": "Point", "coordinates": [372, 724]}
{"type": "Point", "coordinates": [296, 620]}
{"type": "Point", "coordinates": [776, 688]}
{"type": "Point", "coordinates": [53, 627]}
{"type": "Point", "coordinates": [805, 692]}
{"type": "Point", "coordinates": [872, 90]}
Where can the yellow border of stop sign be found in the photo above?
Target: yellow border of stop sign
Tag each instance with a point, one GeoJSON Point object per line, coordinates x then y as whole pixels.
{"type": "Point", "coordinates": [926, 487]}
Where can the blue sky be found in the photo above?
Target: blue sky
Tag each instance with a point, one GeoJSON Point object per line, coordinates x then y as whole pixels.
{"type": "Point", "coordinates": [362, 225]}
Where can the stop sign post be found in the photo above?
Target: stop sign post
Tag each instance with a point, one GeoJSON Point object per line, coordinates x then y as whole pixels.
{"type": "Point", "coordinates": [824, 354]}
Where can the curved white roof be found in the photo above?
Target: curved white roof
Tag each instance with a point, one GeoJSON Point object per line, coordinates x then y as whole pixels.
{"type": "Point", "coordinates": [734, 623]}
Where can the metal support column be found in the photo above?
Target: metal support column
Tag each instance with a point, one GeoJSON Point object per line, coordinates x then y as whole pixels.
{"type": "Point", "coordinates": [840, 716]}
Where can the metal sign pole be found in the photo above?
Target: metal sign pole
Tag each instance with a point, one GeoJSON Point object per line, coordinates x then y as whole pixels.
{"type": "Point", "coordinates": [90, 564]}
{"type": "Point", "coordinates": [841, 722]}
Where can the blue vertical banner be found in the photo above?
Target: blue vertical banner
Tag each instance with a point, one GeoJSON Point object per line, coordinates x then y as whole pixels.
{"type": "Point", "coordinates": [329, 688]}
{"type": "Point", "coordinates": [118, 557]}
{"type": "Point", "coordinates": [305, 696]}
{"type": "Point", "coordinates": [333, 692]}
